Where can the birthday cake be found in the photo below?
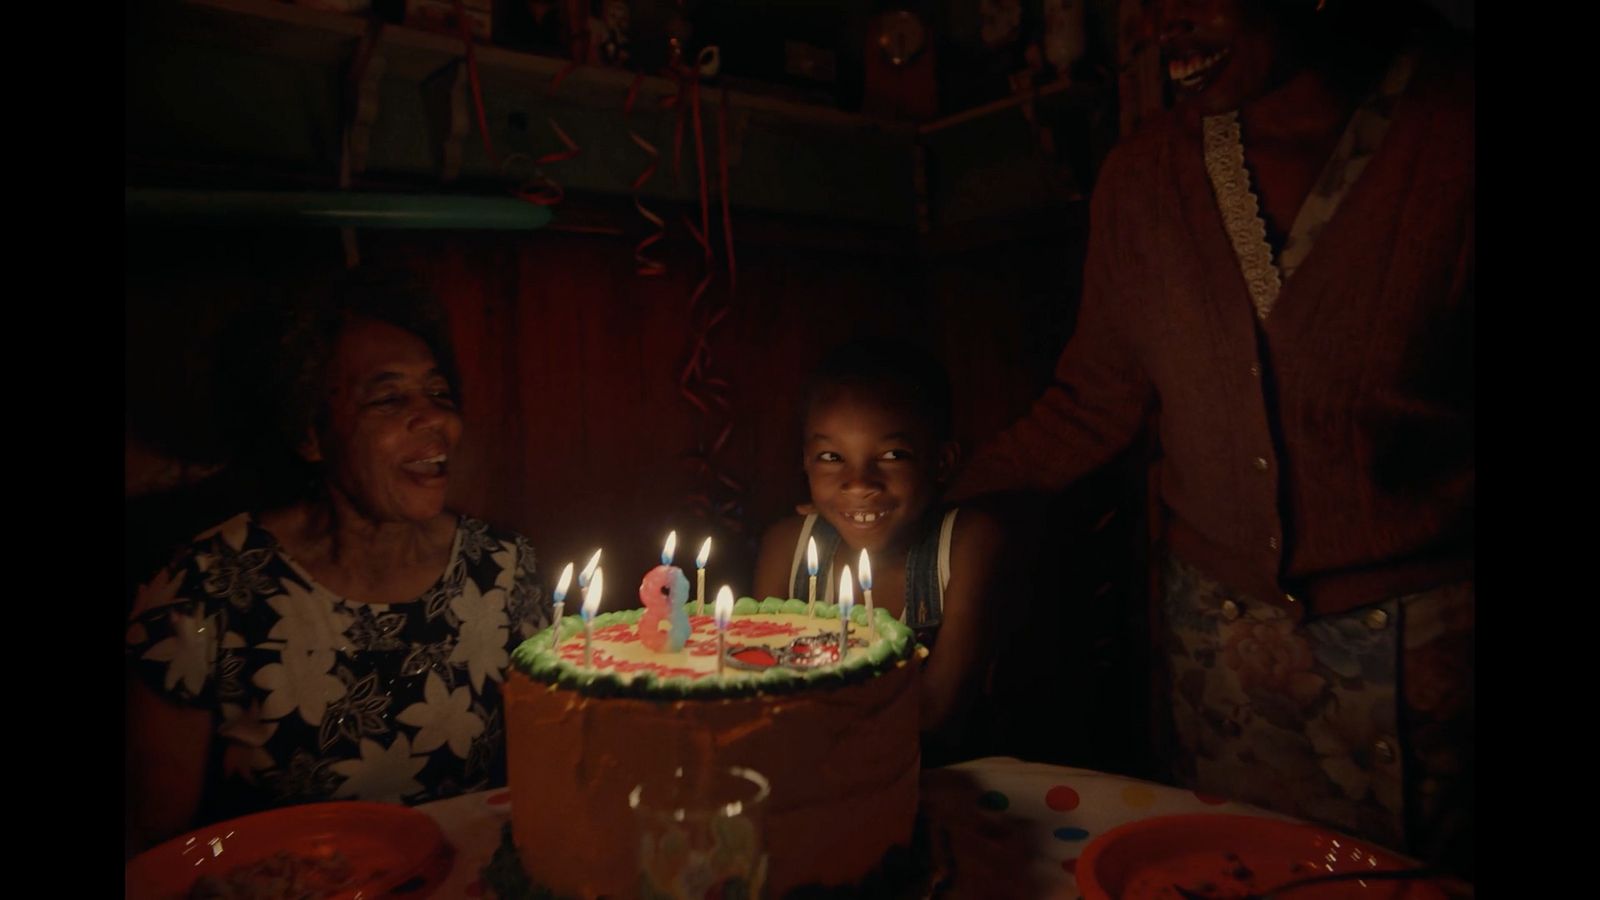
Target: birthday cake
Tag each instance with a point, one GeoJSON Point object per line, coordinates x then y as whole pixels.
{"type": "Point", "coordinates": [590, 718]}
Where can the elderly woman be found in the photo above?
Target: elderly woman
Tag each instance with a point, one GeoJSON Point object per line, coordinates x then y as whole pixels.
{"type": "Point", "coordinates": [350, 643]}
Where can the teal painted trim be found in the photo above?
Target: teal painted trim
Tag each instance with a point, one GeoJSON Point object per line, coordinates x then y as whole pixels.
{"type": "Point", "coordinates": [343, 209]}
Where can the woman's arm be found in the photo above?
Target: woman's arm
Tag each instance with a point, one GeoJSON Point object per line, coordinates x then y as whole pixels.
{"type": "Point", "coordinates": [166, 749]}
{"type": "Point", "coordinates": [958, 666]}
{"type": "Point", "coordinates": [777, 552]}
{"type": "Point", "coordinates": [1101, 394]}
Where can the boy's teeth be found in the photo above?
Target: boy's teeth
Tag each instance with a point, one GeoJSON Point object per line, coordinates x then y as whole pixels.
{"type": "Point", "coordinates": [864, 518]}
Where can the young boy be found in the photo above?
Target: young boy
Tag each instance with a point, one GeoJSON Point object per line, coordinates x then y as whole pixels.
{"type": "Point", "coordinates": [877, 452]}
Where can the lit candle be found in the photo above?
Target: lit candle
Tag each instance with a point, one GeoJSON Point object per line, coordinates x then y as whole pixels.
{"type": "Point", "coordinates": [864, 572]}
{"type": "Point", "coordinates": [811, 566]}
{"type": "Point", "coordinates": [700, 578]}
{"type": "Point", "coordinates": [847, 599]}
{"type": "Point", "coordinates": [723, 612]}
{"type": "Point", "coordinates": [560, 602]}
{"type": "Point", "coordinates": [591, 604]}
{"type": "Point", "coordinates": [585, 576]}
{"type": "Point", "coordinates": [670, 548]}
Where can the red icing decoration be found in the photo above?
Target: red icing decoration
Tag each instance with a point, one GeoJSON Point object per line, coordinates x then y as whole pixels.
{"type": "Point", "coordinates": [756, 656]}
{"type": "Point", "coordinates": [753, 628]}
{"type": "Point", "coordinates": [618, 634]}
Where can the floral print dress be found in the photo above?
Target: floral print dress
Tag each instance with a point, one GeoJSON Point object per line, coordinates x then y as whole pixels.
{"type": "Point", "coordinates": [317, 698]}
{"type": "Point", "coordinates": [1361, 720]}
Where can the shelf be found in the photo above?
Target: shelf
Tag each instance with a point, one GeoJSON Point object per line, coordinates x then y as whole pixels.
{"type": "Point", "coordinates": [215, 84]}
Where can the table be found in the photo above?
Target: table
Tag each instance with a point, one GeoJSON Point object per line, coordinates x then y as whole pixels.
{"type": "Point", "coordinates": [1015, 827]}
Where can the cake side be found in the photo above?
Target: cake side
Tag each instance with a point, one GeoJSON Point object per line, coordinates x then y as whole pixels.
{"type": "Point", "coordinates": [840, 750]}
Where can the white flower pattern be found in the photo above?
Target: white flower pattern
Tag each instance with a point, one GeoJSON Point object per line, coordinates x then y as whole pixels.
{"type": "Point", "coordinates": [482, 646]}
{"type": "Point", "coordinates": [160, 591]}
{"type": "Point", "coordinates": [317, 696]}
{"type": "Point", "coordinates": [302, 681]}
{"type": "Point", "coordinates": [190, 651]}
{"type": "Point", "coordinates": [445, 717]}
{"type": "Point", "coordinates": [382, 773]}
{"type": "Point", "coordinates": [307, 620]}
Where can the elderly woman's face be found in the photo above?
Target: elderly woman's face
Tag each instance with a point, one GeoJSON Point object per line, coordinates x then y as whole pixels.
{"type": "Point", "coordinates": [391, 424]}
{"type": "Point", "coordinates": [1219, 54]}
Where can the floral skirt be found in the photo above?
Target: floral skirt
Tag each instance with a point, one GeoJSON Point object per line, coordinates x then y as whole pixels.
{"type": "Point", "coordinates": [1361, 720]}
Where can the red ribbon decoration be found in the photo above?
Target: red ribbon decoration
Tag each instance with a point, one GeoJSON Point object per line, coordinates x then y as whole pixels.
{"type": "Point", "coordinates": [706, 392]}
{"type": "Point", "coordinates": [472, 74]}
{"type": "Point", "coordinates": [644, 265]}
{"type": "Point", "coordinates": [541, 189]}
{"type": "Point", "coordinates": [727, 215]}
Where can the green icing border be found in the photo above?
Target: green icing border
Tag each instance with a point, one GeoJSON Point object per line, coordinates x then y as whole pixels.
{"type": "Point", "coordinates": [896, 643]}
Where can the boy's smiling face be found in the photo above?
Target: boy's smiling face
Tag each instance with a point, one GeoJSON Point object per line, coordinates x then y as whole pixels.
{"type": "Point", "coordinates": [874, 464]}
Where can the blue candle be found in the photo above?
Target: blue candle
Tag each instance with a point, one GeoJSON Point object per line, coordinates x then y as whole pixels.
{"type": "Point", "coordinates": [811, 567]}
{"type": "Point", "coordinates": [560, 602]}
{"type": "Point", "coordinates": [723, 611]}
{"type": "Point", "coordinates": [591, 603]}
{"type": "Point", "coordinates": [847, 599]}
{"type": "Point", "coordinates": [864, 572]}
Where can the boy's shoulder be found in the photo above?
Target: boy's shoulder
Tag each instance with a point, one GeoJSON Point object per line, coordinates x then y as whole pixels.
{"type": "Point", "coordinates": [786, 529]}
{"type": "Point", "coordinates": [777, 551]}
{"type": "Point", "coordinates": [976, 525]}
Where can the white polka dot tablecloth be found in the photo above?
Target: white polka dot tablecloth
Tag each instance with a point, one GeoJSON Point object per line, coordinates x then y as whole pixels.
{"type": "Point", "coordinates": [1002, 827]}
{"type": "Point", "coordinates": [1009, 828]}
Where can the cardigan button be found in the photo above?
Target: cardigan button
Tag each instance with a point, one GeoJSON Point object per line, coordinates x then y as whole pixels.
{"type": "Point", "coordinates": [1272, 543]}
{"type": "Point", "coordinates": [1255, 369]}
{"type": "Point", "coordinates": [1383, 751]}
{"type": "Point", "coordinates": [1230, 610]}
{"type": "Point", "coordinates": [1376, 619]}
{"type": "Point", "coordinates": [1260, 463]}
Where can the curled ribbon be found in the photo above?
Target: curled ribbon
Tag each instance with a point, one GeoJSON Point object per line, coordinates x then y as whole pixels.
{"type": "Point", "coordinates": [643, 264]}
{"type": "Point", "coordinates": [540, 188]}
{"type": "Point", "coordinates": [706, 392]}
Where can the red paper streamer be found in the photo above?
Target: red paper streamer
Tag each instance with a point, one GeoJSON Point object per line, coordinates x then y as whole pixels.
{"type": "Point", "coordinates": [540, 189]}
{"type": "Point", "coordinates": [720, 496]}
{"type": "Point", "coordinates": [644, 265]}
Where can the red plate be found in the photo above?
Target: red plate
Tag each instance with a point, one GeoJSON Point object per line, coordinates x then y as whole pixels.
{"type": "Point", "coordinates": [1143, 860]}
{"type": "Point", "coordinates": [390, 849]}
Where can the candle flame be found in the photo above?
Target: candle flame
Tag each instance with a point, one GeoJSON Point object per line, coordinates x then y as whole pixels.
{"type": "Point", "coordinates": [705, 554]}
{"type": "Point", "coordinates": [864, 571]}
{"type": "Point", "coordinates": [723, 610]}
{"type": "Point", "coordinates": [591, 601]}
{"type": "Point", "coordinates": [811, 556]}
{"type": "Point", "coordinates": [670, 548]}
{"type": "Point", "coordinates": [847, 592]}
{"type": "Point", "coordinates": [587, 574]}
{"type": "Point", "coordinates": [564, 583]}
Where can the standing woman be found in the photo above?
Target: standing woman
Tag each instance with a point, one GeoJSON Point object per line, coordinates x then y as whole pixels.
{"type": "Point", "coordinates": [351, 641]}
{"type": "Point", "coordinates": [1281, 272]}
